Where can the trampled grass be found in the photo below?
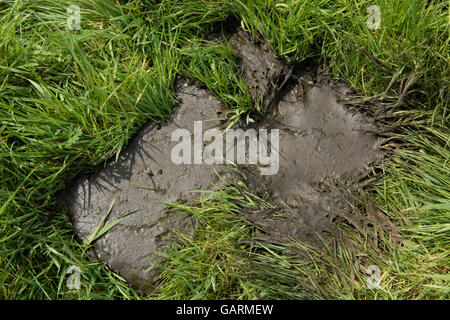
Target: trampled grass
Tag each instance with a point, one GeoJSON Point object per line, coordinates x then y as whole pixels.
{"type": "Point", "coordinates": [71, 99]}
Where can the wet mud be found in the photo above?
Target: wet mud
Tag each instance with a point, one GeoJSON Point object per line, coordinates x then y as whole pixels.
{"type": "Point", "coordinates": [325, 149]}
{"type": "Point", "coordinates": [264, 73]}
{"type": "Point", "coordinates": [142, 180]}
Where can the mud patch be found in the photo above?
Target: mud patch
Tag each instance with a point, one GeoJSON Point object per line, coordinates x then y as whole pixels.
{"type": "Point", "coordinates": [142, 180]}
{"type": "Point", "coordinates": [324, 150]}
{"type": "Point", "coordinates": [264, 73]}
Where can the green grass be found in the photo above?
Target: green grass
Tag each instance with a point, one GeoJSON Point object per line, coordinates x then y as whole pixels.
{"type": "Point", "coordinates": [69, 100]}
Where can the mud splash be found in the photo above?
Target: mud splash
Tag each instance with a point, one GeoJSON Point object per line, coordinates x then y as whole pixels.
{"type": "Point", "coordinates": [324, 149]}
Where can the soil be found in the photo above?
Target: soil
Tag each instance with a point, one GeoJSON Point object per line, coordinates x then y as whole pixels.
{"type": "Point", "coordinates": [264, 73]}
{"type": "Point", "coordinates": [324, 147]}
{"type": "Point", "coordinates": [143, 179]}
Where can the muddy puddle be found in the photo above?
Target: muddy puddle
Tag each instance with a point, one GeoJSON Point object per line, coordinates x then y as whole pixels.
{"type": "Point", "coordinates": [324, 150]}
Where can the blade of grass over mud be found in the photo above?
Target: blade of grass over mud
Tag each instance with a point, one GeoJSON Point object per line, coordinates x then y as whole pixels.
{"type": "Point", "coordinates": [141, 186]}
{"type": "Point", "coordinates": [101, 229]}
{"type": "Point", "coordinates": [95, 234]}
